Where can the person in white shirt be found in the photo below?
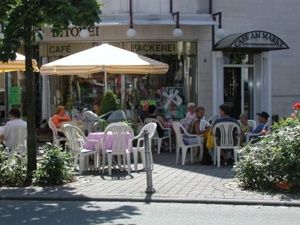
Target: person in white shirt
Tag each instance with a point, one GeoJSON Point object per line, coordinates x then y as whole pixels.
{"type": "Point", "coordinates": [7, 136]}
{"type": "Point", "coordinates": [191, 114]}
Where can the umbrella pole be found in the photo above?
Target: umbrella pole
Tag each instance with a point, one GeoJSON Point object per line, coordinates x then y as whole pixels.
{"type": "Point", "coordinates": [105, 82]}
{"type": "Point", "coordinates": [122, 91]}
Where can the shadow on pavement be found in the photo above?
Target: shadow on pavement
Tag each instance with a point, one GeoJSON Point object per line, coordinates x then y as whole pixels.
{"type": "Point", "coordinates": [51, 212]}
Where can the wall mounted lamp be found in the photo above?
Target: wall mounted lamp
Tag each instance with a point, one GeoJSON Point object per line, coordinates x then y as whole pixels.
{"type": "Point", "coordinates": [220, 31]}
{"type": "Point", "coordinates": [177, 32]}
{"type": "Point", "coordinates": [131, 31]}
{"type": "Point", "coordinates": [84, 32]}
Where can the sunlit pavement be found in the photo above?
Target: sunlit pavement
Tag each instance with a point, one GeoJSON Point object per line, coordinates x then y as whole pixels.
{"type": "Point", "coordinates": [191, 183]}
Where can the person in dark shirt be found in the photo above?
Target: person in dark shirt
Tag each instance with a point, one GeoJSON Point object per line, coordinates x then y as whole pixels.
{"type": "Point", "coordinates": [224, 115]}
{"type": "Point", "coordinates": [224, 112]}
{"type": "Point", "coordinates": [261, 128]}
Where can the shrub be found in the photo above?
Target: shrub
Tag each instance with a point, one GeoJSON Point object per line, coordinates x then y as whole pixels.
{"type": "Point", "coordinates": [109, 103]}
{"type": "Point", "coordinates": [274, 159]}
{"type": "Point", "coordinates": [54, 168]}
{"type": "Point", "coordinates": [12, 168]}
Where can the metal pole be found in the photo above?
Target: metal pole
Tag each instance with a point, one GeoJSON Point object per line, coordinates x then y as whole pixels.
{"type": "Point", "coordinates": [123, 92]}
{"type": "Point", "coordinates": [105, 82]}
{"type": "Point", "coordinates": [148, 162]}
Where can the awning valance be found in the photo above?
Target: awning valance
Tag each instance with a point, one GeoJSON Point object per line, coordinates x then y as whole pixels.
{"type": "Point", "coordinates": [253, 40]}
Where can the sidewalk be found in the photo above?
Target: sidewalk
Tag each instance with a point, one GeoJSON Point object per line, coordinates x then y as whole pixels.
{"type": "Point", "coordinates": [173, 183]}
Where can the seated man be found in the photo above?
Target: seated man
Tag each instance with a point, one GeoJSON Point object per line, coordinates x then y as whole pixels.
{"type": "Point", "coordinates": [261, 128]}
{"type": "Point", "coordinates": [7, 136]}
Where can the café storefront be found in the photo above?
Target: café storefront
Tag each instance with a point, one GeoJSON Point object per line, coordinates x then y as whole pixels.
{"type": "Point", "coordinates": [242, 71]}
{"type": "Point", "coordinates": [180, 82]}
{"type": "Point", "coordinates": [236, 70]}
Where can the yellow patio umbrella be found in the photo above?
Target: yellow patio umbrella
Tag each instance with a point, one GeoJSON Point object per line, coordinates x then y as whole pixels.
{"type": "Point", "coordinates": [17, 65]}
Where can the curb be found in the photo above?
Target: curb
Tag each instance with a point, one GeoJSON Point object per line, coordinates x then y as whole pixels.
{"type": "Point", "coordinates": [154, 200]}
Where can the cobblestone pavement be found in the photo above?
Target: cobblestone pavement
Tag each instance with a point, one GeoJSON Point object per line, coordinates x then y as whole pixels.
{"type": "Point", "coordinates": [173, 182]}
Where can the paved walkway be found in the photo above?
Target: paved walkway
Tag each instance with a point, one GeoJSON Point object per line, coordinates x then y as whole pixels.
{"type": "Point", "coordinates": [189, 183]}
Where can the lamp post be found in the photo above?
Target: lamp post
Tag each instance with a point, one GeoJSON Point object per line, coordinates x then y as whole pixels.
{"type": "Point", "coordinates": [131, 31]}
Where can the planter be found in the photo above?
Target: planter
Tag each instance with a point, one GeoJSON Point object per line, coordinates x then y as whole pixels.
{"type": "Point", "coordinates": [284, 185]}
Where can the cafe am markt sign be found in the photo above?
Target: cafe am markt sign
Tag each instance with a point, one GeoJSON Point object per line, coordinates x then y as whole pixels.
{"type": "Point", "coordinates": [255, 40]}
{"type": "Point", "coordinates": [259, 39]}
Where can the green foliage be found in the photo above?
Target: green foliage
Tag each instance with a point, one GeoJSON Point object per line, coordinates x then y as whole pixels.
{"type": "Point", "coordinates": [54, 168]}
{"type": "Point", "coordinates": [102, 124]}
{"type": "Point", "coordinates": [12, 168]}
{"type": "Point", "coordinates": [109, 103]}
{"type": "Point", "coordinates": [22, 19]}
{"type": "Point", "coordinates": [275, 158]}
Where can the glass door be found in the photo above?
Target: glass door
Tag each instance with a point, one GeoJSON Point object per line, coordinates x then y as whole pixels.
{"type": "Point", "coordinates": [238, 90]}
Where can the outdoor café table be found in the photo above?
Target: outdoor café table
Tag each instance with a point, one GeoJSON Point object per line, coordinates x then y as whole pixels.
{"type": "Point", "coordinates": [109, 139]}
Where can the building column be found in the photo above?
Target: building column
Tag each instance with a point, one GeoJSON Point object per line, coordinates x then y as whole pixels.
{"type": "Point", "coordinates": [217, 80]}
{"type": "Point", "coordinates": [267, 82]}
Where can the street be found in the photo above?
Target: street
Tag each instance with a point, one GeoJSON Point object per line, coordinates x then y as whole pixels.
{"type": "Point", "coordinates": [127, 213]}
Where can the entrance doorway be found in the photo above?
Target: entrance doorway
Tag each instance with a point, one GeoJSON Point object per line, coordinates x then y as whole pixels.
{"type": "Point", "coordinates": [238, 89]}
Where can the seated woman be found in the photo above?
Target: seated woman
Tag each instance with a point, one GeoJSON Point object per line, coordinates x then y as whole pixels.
{"type": "Point", "coordinates": [245, 127]}
{"type": "Point", "coordinates": [59, 118]}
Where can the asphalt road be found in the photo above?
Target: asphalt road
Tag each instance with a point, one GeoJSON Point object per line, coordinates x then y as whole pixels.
{"type": "Point", "coordinates": [125, 213]}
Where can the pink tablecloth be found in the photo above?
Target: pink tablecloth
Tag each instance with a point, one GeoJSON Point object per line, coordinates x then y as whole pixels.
{"type": "Point", "coordinates": [100, 137]}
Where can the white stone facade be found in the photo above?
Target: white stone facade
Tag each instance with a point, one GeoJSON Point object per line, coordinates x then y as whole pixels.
{"type": "Point", "coordinates": [280, 17]}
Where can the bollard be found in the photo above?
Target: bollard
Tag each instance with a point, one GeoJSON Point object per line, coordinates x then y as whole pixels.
{"type": "Point", "coordinates": [148, 162]}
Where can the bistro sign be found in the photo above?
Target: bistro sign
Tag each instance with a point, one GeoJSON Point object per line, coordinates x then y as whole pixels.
{"type": "Point", "coordinates": [259, 39]}
{"type": "Point", "coordinates": [74, 32]}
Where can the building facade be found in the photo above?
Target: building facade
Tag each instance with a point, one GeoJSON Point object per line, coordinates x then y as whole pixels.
{"type": "Point", "coordinates": [203, 68]}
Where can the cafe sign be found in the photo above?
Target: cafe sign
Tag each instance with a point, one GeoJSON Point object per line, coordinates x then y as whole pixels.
{"type": "Point", "coordinates": [64, 49]}
{"type": "Point", "coordinates": [256, 40]}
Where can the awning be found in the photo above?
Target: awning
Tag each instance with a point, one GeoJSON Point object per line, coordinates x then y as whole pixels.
{"type": "Point", "coordinates": [253, 40]}
{"type": "Point", "coordinates": [17, 65]}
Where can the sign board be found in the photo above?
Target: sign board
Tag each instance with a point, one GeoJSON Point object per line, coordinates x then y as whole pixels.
{"type": "Point", "coordinates": [64, 49]}
{"type": "Point", "coordinates": [259, 39]}
{"type": "Point", "coordinates": [15, 95]}
{"type": "Point", "coordinates": [162, 47]}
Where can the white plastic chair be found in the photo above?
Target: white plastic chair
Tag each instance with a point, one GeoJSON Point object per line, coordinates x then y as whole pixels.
{"type": "Point", "coordinates": [117, 116]}
{"type": "Point", "coordinates": [230, 137]}
{"type": "Point", "coordinates": [20, 140]}
{"type": "Point", "coordinates": [167, 134]}
{"type": "Point", "coordinates": [77, 139]}
{"type": "Point", "coordinates": [56, 139]}
{"type": "Point", "coordinates": [140, 148]}
{"type": "Point", "coordinates": [266, 127]}
{"type": "Point", "coordinates": [120, 144]}
{"type": "Point", "coordinates": [181, 132]}
{"type": "Point", "coordinates": [88, 119]}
